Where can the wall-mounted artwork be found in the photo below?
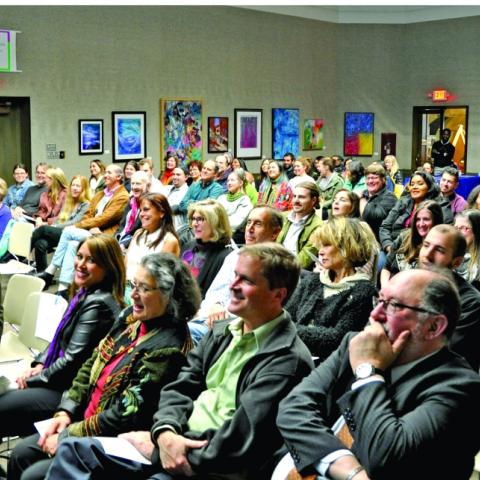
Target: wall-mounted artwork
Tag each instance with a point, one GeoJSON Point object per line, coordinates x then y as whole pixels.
{"type": "Point", "coordinates": [217, 134]}
{"type": "Point", "coordinates": [90, 137]}
{"type": "Point", "coordinates": [129, 136]}
{"type": "Point", "coordinates": [285, 124]}
{"type": "Point", "coordinates": [313, 134]}
{"type": "Point", "coordinates": [358, 134]}
{"type": "Point", "coordinates": [248, 133]}
{"type": "Point", "coordinates": [389, 144]}
{"type": "Point", "coordinates": [182, 122]}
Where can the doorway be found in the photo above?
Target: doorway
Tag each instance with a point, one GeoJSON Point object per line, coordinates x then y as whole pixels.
{"type": "Point", "coordinates": [15, 144]}
{"type": "Point", "coordinates": [428, 122]}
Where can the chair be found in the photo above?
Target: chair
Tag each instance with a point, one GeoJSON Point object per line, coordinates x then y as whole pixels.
{"type": "Point", "coordinates": [20, 240]}
{"type": "Point", "coordinates": [18, 288]}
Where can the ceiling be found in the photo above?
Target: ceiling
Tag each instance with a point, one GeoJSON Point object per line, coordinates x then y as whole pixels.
{"type": "Point", "coordinates": [396, 14]}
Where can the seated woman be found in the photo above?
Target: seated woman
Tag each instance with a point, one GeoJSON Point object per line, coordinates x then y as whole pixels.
{"type": "Point", "coordinates": [97, 179]}
{"type": "Point", "coordinates": [118, 387]}
{"type": "Point", "coordinates": [171, 163]}
{"type": "Point", "coordinates": [249, 185]}
{"type": "Point", "coordinates": [194, 169]}
{"type": "Point", "coordinates": [473, 199]}
{"type": "Point", "coordinates": [46, 237]}
{"type": "Point", "coordinates": [5, 213]}
{"type": "Point", "coordinates": [51, 201]}
{"type": "Point", "coordinates": [326, 306]}
{"type": "Point", "coordinates": [205, 254]}
{"type": "Point", "coordinates": [157, 233]}
{"type": "Point", "coordinates": [236, 203]}
{"type": "Point", "coordinates": [95, 300]}
{"type": "Point", "coordinates": [263, 175]}
{"type": "Point", "coordinates": [405, 249]}
{"type": "Point", "coordinates": [394, 175]}
{"type": "Point", "coordinates": [355, 177]}
{"type": "Point", "coordinates": [301, 168]}
{"type": "Point", "coordinates": [16, 192]}
{"type": "Point", "coordinates": [128, 170]}
{"type": "Point", "coordinates": [275, 189]}
{"type": "Point", "coordinates": [345, 204]}
{"type": "Point", "coordinates": [468, 222]}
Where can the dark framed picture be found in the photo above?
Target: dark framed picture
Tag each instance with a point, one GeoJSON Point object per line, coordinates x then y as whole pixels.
{"type": "Point", "coordinates": [129, 137]}
{"type": "Point", "coordinates": [90, 137]}
{"type": "Point", "coordinates": [358, 134]}
{"type": "Point", "coordinates": [217, 134]}
{"type": "Point", "coordinates": [285, 126]}
{"type": "Point", "coordinates": [389, 144]}
{"type": "Point", "coordinates": [248, 133]}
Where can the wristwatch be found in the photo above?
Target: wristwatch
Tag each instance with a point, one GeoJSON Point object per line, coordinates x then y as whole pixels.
{"type": "Point", "coordinates": [365, 370]}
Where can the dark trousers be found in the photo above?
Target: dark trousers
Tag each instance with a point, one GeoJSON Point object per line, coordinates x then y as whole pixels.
{"type": "Point", "coordinates": [44, 240]}
{"type": "Point", "coordinates": [28, 462]}
{"type": "Point", "coordinates": [20, 408]}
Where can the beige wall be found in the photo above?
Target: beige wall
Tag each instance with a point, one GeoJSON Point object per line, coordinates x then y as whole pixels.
{"type": "Point", "coordinates": [85, 62]}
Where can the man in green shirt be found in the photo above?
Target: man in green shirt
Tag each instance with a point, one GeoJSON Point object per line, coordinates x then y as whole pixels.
{"type": "Point", "coordinates": [217, 420]}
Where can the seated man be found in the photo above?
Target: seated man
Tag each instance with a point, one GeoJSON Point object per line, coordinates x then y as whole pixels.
{"type": "Point", "coordinates": [452, 203]}
{"type": "Point", "coordinates": [301, 222]}
{"type": "Point", "coordinates": [217, 420]}
{"type": "Point", "coordinates": [103, 216]}
{"type": "Point", "coordinates": [411, 399]}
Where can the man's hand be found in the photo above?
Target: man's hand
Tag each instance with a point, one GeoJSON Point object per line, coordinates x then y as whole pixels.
{"type": "Point", "coordinates": [141, 441]}
{"type": "Point", "coordinates": [173, 452]}
{"type": "Point", "coordinates": [49, 445]}
{"type": "Point", "coordinates": [29, 372]}
{"type": "Point", "coordinates": [373, 346]}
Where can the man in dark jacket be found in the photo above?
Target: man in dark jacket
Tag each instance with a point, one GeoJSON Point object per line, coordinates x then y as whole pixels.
{"type": "Point", "coordinates": [217, 420]}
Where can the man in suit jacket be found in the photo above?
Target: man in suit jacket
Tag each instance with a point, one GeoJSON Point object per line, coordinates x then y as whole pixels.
{"type": "Point", "coordinates": [411, 400]}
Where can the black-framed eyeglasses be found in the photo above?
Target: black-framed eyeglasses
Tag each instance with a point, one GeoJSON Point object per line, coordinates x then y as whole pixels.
{"type": "Point", "coordinates": [392, 306]}
{"type": "Point", "coordinates": [141, 288]}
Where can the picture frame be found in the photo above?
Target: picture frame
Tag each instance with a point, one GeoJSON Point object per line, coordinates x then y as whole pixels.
{"type": "Point", "coordinates": [285, 131]}
{"type": "Point", "coordinates": [181, 129]}
{"type": "Point", "coordinates": [389, 144]}
{"type": "Point", "coordinates": [313, 134]}
{"type": "Point", "coordinates": [358, 134]}
{"type": "Point", "coordinates": [90, 136]}
{"type": "Point", "coordinates": [217, 134]}
{"type": "Point", "coordinates": [129, 136]}
{"type": "Point", "coordinates": [248, 133]}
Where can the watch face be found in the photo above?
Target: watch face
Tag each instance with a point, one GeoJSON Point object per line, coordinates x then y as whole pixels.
{"type": "Point", "coordinates": [364, 370]}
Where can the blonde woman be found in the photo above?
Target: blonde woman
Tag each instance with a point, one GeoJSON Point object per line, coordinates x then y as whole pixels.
{"type": "Point", "coordinates": [46, 237]}
{"type": "Point", "coordinates": [51, 201]}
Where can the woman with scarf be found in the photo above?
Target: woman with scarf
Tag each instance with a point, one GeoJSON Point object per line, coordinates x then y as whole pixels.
{"type": "Point", "coordinates": [275, 189]}
{"type": "Point", "coordinates": [95, 300]}
{"type": "Point", "coordinates": [118, 387]}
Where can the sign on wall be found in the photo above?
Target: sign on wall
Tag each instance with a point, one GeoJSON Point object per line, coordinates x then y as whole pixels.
{"type": "Point", "coordinates": [8, 53]}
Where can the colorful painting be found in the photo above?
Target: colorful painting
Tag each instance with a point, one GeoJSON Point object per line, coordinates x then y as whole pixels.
{"type": "Point", "coordinates": [248, 133]}
{"type": "Point", "coordinates": [313, 134]}
{"type": "Point", "coordinates": [182, 122]}
{"type": "Point", "coordinates": [90, 137]}
{"type": "Point", "coordinates": [217, 134]}
{"type": "Point", "coordinates": [129, 136]}
{"type": "Point", "coordinates": [358, 134]}
{"type": "Point", "coordinates": [285, 124]}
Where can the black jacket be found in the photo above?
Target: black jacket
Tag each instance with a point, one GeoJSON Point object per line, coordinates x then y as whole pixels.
{"type": "Point", "coordinates": [377, 208]}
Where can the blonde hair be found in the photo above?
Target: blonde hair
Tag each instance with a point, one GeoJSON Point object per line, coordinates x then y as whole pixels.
{"type": "Point", "coordinates": [356, 243]}
{"type": "Point", "coordinates": [70, 202]}
{"type": "Point", "coordinates": [3, 189]}
{"type": "Point", "coordinates": [59, 183]}
{"type": "Point", "coordinates": [216, 216]}
{"type": "Point", "coordinates": [395, 165]}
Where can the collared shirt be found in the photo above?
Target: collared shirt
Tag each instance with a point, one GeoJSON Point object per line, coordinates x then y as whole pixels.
{"type": "Point", "coordinates": [217, 403]}
{"type": "Point", "coordinates": [15, 193]}
{"type": "Point", "coordinates": [290, 241]}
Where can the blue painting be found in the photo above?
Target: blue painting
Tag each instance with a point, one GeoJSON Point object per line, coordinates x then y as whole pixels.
{"type": "Point", "coordinates": [285, 128]}
{"type": "Point", "coordinates": [129, 137]}
{"type": "Point", "coordinates": [90, 139]}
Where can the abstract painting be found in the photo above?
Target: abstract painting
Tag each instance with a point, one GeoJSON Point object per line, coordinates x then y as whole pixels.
{"type": "Point", "coordinates": [90, 137]}
{"type": "Point", "coordinates": [217, 134]}
{"type": "Point", "coordinates": [358, 134]}
{"type": "Point", "coordinates": [182, 122]}
{"type": "Point", "coordinates": [129, 136]}
{"type": "Point", "coordinates": [313, 134]}
{"type": "Point", "coordinates": [285, 124]}
{"type": "Point", "coordinates": [248, 133]}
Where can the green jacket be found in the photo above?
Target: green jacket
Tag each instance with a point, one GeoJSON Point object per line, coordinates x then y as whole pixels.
{"type": "Point", "coordinates": [304, 244]}
{"type": "Point", "coordinates": [326, 196]}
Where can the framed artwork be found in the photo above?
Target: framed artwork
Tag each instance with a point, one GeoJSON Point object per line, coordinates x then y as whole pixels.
{"type": "Point", "coordinates": [182, 123]}
{"type": "Point", "coordinates": [129, 137]}
{"type": "Point", "coordinates": [285, 125]}
{"type": "Point", "coordinates": [358, 134]}
{"type": "Point", "coordinates": [313, 134]}
{"type": "Point", "coordinates": [90, 137]}
{"type": "Point", "coordinates": [389, 144]}
{"type": "Point", "coordinates": [248, 133]}
{"type": "Point", "coordinates": [217, 134]}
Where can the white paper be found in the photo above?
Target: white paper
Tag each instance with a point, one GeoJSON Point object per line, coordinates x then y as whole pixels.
{"type": "Point", "coordinates": [119, 447]}
{"type": "Point", "coordinates": [50, 311]}
{"type": "Point", "coordinates": [14, 266]}
{"type": "Point", "coordinates": [42, 425]}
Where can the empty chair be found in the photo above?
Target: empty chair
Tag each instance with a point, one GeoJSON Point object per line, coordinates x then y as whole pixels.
{"type": "Point", "coordinates": [20, 238]}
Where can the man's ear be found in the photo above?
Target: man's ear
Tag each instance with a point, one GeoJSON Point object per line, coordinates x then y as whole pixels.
{"type": "Point", "coordinates": [456, 262]}
{"type": "Point", "coordinates": [281, 293]}
{"type": "Point", "coordinates": [437, 327]}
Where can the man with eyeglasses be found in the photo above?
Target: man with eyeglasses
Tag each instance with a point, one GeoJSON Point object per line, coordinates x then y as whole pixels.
{"type": "Point", "coordinates": [444, 247]}
{"type": "Point", "coordinates": [400, 398]}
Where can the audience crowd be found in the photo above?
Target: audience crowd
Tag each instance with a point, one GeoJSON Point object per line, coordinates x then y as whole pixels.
{"type": "Point", "coordinates": [313, 319]}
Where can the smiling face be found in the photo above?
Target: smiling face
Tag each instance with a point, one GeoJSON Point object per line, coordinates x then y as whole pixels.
{"type": "Point", "coordinates": [463, 225]}
{"type": "Point", "coordinates": [201, 228]}
{"type": "Point", "coordinates": [418, 188]}
{"type": "Point", "coordinates": [208, 171]}
{"type": "Point", "coordinates": [234, 183]}
{"type": "Point", "coordinates": [94, 169]}
{"type": "Point", "coordinates": [298, 168]}
{"type": "Point", "coordinates": [129, 171]}
{"type": "Point", "coordinates": [171, 163]}
{"type": "Point", "coordinates": [112, 177]}
{"type": "Point", "coordinates": [40, 174]}
{"type": "Point", "coordinates": [150, 303]}
{"type": "Point", "coordinates": [87, 272]}
{"type": "Point", "coordinates": [273, 171]}
{"type": "Point", "coordinates": [76, 188]}
{"type": "Point", "coordinates": [303, 201]}
{"type": "Point", "coordinates": [150, 216]}
{"type": "Point", "coordinates": [424, 222]}
{"type": "Point", "coordinates": [374, 183]}
{"type": "Point", "coordinates": [138, 186]}
{"type": "Point", "coordinates": [342, 205]}
{"type": "Point", "coordinates": [448, 184]}
{"type": "Point", "coordinates": [20, 175]}
{"type": "Point", "coordinates": [178, 177]}
{"type": "Point", "coordinates": [264, 166]}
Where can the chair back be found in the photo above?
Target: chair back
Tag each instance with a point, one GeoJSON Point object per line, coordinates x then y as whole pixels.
{"type": "Point", "coordinates": [18, 288]}
{"type": "Point", "coordinates": [20, 238]}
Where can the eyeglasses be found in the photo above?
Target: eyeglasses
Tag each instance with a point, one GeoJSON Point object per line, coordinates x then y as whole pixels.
{"type": "Point", "coordinates": [392, 306]}
{"type": "Point", "coordinates": [141, 288]}
{"type": "Point", "coordinates": [198, 219]}
{"type": "Point", "coordinates": [463, 228]}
